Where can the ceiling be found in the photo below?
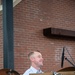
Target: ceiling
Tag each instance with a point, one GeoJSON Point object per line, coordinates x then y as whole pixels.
{"type": "Point", "coordinates": [15, 2]}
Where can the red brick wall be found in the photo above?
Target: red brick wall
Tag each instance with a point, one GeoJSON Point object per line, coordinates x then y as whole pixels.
{"type": "Point", "coordinates": [1, 43]}
{"type": "Point", "coordinates": [30, 18]}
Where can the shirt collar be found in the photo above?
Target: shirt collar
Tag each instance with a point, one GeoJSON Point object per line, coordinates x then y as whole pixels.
{"type": "Point", "coordinates": [33, 69]}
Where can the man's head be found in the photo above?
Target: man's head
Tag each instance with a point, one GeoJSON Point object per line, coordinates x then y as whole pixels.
{"type": "Point", "coordinates": [36, 58]}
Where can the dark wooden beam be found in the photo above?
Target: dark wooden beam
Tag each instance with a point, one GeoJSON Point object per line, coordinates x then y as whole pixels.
{"type": "Point", "coordinates": [8, 34]}
{"type": "Point", "coordinates": [56, 32]}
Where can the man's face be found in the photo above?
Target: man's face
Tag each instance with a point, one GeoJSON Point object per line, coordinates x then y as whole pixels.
{"type": "Point", "coordinates": [37, 59]}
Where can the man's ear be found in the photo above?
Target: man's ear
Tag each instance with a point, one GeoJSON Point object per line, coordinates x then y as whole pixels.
{"type": "Point", "coordinates": [32, 58]}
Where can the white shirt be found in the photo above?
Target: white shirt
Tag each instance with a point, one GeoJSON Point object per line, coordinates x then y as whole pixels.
{"type": "Point", "coordinates": [31, 70]}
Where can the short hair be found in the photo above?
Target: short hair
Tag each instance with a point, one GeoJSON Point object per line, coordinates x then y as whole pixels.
{"type": "Point", "coordinates": [10, 72]}
{"type": "Point", "coordinates": [31, 53]}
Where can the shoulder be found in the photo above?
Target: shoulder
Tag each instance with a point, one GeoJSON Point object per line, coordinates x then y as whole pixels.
{"type": "Point", "coordinates": [27, 72]}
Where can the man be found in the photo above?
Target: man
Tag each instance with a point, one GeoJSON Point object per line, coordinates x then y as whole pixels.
{"type": "Point", "coordinates": [36, 63]}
